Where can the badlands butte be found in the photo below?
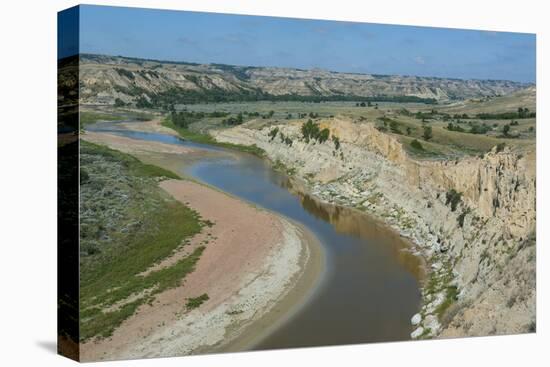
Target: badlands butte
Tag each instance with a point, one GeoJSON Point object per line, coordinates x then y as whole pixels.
{"type": "Point", "coordinates": [448, 163]}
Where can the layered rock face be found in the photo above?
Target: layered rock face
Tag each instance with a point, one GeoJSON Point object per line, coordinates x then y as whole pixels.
{"type": "Point", "coordinates": [473, 219]}
{"type": "Point", "coordinates": [107, 78]}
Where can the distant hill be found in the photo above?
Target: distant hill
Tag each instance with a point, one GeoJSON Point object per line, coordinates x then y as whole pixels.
{"type": "Point", "coordinates": [524, 98]}
{"type": "Point", "coordinates": [151, 83]}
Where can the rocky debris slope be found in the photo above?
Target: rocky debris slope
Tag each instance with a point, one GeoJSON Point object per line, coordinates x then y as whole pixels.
{"type": "Point", "coordinates": [104, 79]}
{"type": "Point", "coordinates": [472, 219]}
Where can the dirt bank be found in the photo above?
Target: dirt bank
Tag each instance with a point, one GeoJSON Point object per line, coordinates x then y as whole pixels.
{"type": "Point", "coordinates": [256, 267]}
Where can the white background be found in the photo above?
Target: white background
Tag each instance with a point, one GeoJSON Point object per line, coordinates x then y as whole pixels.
{"type": "Point", "coordinates": [28, 181]}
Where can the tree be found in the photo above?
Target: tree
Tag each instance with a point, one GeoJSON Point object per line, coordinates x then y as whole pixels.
{"type": "Point", "coordinates": [336, 142]}
{"type": "Point", "coordinates": [119, 102]}
{"type": "Point", "coordinates": [310, 130]}
{"type": "Point", "coordinates": [240, 118]}
{"type": "Point", "coordinates": [409, 130]}
{"type": "Point", "coordinates": [427, 135]}
{"type": "Point", "coordinates": [506, 130]}
{"type": "Point", "coordinates": [416, 145]}
{"type": "Point", "coordinates": [323, 135]}
{"type": "Point", "coordinates": [273, 133]}
{"type": "Point", "coordinates": [363, 104]}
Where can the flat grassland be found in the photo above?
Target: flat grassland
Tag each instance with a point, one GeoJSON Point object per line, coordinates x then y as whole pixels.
{"type": "Point", "coordinates": [444, 131]}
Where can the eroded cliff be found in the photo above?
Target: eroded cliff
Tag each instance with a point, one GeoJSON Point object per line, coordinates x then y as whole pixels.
{"type": "Point", "coordinates": [472, 218]}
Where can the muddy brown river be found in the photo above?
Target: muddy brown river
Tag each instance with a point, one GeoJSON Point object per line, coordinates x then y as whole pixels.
{"type": "Point", "coordinates": [369, 289]}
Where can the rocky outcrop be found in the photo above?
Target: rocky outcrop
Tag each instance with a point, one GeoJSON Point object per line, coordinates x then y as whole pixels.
{"type": "Point", "coordinates": [104, 79]}
{"type": "Point", "coordinates": [473, 219]}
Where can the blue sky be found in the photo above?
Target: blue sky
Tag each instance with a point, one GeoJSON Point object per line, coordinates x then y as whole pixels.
{"type": "Point", "coordinates": [300, 43]}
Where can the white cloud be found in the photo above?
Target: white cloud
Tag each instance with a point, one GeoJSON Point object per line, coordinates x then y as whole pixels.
{"type": "Point", "coordinates": [419, 60]}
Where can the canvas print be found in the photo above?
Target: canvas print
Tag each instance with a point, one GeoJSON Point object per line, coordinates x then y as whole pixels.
{"type": "Point", "coordinates": [232, 183]}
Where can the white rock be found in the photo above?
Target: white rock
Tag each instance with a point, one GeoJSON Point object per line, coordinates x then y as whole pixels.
{"type": "Point", "coordinates": [415, 320]}
{"type": "Point", "coordinates": [415, 334]}
{"type": "Point", "coordinates": [431, 322]}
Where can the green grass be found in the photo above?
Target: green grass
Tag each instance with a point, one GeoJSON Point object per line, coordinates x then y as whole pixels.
{"type": "Point", "coordinates": [195, 302]}
{"type": "Point", "coordinates": [451, 294]}
{"type": "Point", "coordinates": [112, 280]}
{"type": "Point", "coordinates": [89, 117]}
{"type": "Point", "coordinates": [134, 165]}
{"type": "Point", "coordinates": [207, 139]}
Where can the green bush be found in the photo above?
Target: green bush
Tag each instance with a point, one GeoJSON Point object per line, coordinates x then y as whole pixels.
{"type": "Point", "coordinates": [453, 197]}
{"type": "Point", "coordinates": [416, 145]}
{"type": "Point", "coordinates": [193, 303]}
{"type": "Point", "coordinates": [273, 133]}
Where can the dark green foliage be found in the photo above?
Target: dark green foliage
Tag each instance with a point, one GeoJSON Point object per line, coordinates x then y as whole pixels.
{"type": "Point", "coordinates": [394, 127]}
{"type": "Point", "coordinates": [453, 197]}
{"type": "Point", "coordinates": [336, 142]}
{"type": "Point", "coordinates": [185, 118]}
{"type": "Point", "coordinates": [323, 135]}
{"type": "Point", "coordinates": [506, 130]}
{"type": "Point", "coordinates": [416, 145]}
{"type": "Point", "coordinates": [479, 129]}
{"type": "Point", "coordinates": [463, 116]}
{"type": "Point", "coordinates": [233, 121]}
{"type": "Point", "coordinates": [522, 113]}
{"type": "Point", "coordinates": [427, 134]}
{"type": "Point", "coordinates": [311, 131]}
{"type": "Point", "coordinates": [119, 102]}
{"type": "Point", "coordinates": [453, 127]}
{"type": "Point", "coordinates": [125, 73]}
{"type": "Point", "coordinates": [500, 147]}
{"type": "Point", "coordinates": [142, 102]}
{"type": "Point", "coordinates": [273, 133]}
{"type": "Point", "coordinates": [193, 303]}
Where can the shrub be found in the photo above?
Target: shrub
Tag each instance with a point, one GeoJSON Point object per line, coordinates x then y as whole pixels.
{"type": "Point", "coordinates": [310, 130]}
{"type": "Point", "coordinates": [273, 133]}
{"type": "Point", "coordinates": [416, 145]}
{"type": "Point", "coordinates": [119, 102]}
{"type": "Point", "coordinates": [427, 134]}
{"type": "Point", "coordinates": [506, 130]}
{"type": "Point", "coordinates": [453, 197]}
{"type": "Point", "coordinates": [336, 142]}
{"type": "Point", "coordinates": [193, 303]}
{"type": "Point", "coordinates": [323, 135]}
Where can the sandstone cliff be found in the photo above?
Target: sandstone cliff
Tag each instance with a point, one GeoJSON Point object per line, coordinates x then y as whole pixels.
{"type": "Point", "coordinates": [473, 219]}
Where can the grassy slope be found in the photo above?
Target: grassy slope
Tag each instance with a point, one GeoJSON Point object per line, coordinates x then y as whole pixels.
{"type": "Point", "coordinates": [128, 224]}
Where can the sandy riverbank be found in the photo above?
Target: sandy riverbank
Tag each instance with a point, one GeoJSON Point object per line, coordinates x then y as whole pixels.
{"type": "Point", "coordinates": [256, 268]}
